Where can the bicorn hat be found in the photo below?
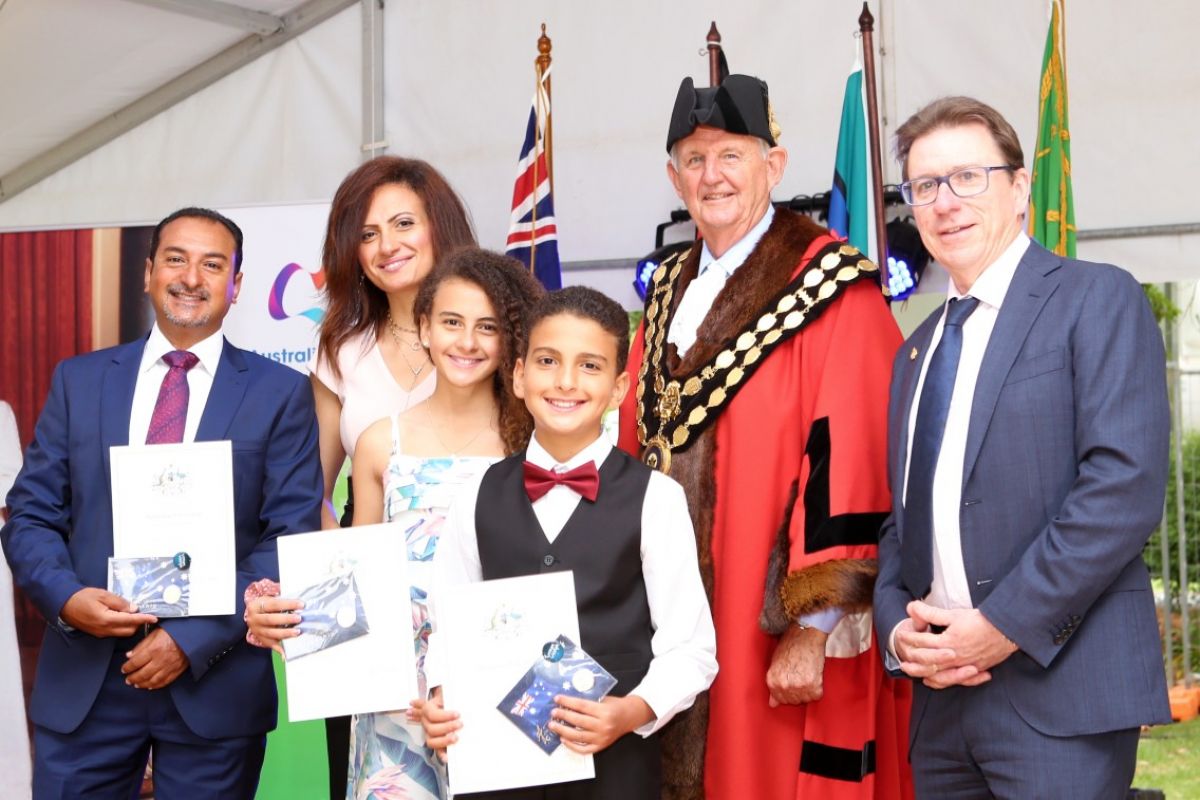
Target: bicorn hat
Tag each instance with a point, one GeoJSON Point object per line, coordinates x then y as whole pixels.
{"type": "Point", "coordinates": [739, 105]}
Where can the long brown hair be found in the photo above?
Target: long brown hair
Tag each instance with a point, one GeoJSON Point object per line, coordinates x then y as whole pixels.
{"type": "Point", "coordinates": [512, 291]}
{"type": "Point", "coordinates": [353, 304]}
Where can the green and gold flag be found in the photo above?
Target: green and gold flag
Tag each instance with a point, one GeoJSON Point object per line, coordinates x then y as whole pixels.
{"type": "Point", "coordinates": [1051, 203]}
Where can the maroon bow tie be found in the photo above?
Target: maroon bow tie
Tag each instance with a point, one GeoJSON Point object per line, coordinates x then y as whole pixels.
{"type": "Point", "coordinates": [584, 480]}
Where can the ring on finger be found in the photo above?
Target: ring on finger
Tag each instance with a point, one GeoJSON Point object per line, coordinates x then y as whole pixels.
{"type": "Point", "coordinates": [261, 606]}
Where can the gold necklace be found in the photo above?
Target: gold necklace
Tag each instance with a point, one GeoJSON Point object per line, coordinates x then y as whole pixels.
{"type": "Point", "coordinates": [453, 451]}
{"type": "Point", "coordinates": [393, 328]}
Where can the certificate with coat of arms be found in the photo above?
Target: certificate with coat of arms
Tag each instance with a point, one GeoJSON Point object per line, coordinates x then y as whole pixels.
{"type": "Point", "coordinates": [354, 653]}
{"type": "Point", "coordinates": [493, 632]}
{"type": "Point", "coordinates": [173, 503]}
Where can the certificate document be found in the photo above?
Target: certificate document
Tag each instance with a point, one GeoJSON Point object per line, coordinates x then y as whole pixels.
{"type": "Point", "coordinates": [492, 631]}
{"type": "Point", "coordinates": [175, 502]}
{"type": "Point", "coordinates": [355, 652]}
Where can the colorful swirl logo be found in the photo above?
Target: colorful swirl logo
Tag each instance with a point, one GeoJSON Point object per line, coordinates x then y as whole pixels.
{"type": "Point", "coordinates": [275, 299]}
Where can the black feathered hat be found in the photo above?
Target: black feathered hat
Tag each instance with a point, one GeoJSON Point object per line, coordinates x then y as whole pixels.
{"type": "Point", "coordinates": [739, 105]}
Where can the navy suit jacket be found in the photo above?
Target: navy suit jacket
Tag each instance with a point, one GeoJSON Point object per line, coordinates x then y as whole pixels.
{"type": "Point", "coordinates": [59, 536]}
{"type": "Point", "coordinates": [1063, 482]}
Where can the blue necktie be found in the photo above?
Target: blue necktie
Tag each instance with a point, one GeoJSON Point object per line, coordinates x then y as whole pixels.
{"type": "Point", "coordinates": [917, 552]}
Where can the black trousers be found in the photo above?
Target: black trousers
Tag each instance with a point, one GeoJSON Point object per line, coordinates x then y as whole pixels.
{"type": "Point", "coordinates": [337, 729]}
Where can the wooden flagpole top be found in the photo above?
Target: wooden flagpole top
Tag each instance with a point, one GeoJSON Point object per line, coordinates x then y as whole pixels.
{"type": "Point", "coordinates": [866, 22]}
{"type": "Point", "coordinates": [544, 45]}
{"type": "Point", "coordinates": [714, 35]}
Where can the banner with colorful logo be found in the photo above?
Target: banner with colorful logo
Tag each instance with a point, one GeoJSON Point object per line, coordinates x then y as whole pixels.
{"type": "Point", "coordinates": [280, 304]}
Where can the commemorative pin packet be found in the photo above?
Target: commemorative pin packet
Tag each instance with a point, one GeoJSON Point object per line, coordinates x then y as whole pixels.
{"type": "Point", "coordinates": [159, 586]}
{"type": "Point", "coordinates": [562, 668]}
{"type": "Point", "coordinates": [333, 614]}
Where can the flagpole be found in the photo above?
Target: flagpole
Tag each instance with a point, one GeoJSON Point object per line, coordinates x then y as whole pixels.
{"type": "Point", "coordinates": [714, 55]}
{"type": "Point", "coordinates": [866, 25]}
{"type": "Point", "coordinates": [538, 70]}
{"type": "Point", "coordinates": [543, 66]}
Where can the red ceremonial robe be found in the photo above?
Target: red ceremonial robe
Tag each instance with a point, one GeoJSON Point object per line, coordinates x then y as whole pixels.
{"type": "Point", "coordinates": [793, 470]}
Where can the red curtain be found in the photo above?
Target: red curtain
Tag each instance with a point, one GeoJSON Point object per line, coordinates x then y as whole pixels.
{"type": "Point", "coordinates": [45, 316]}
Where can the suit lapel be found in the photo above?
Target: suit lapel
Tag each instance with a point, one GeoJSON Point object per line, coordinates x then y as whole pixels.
{"type": "Point", "coordinates": [1033, 283]}
{"type": "Point", "coordinates": [229, 386]}
{"type": "Point", "coordinates": [908, 390]}
{"type": "Point", "coordinates": [116, 397]}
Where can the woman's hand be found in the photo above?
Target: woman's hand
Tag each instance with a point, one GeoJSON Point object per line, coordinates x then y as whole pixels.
{"type": "Point", "coordinates": [269, 618]}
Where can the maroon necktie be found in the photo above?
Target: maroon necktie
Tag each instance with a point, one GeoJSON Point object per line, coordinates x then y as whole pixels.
{"type": "Point", "coordinates": [170, 412]}
{"type": "Point", "coordinates": [585, 481]}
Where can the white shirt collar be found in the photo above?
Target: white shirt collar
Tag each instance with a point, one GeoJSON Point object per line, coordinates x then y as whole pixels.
{"type": "Point", "coordinates": [208, 350]}
{"type": "Point", "coordinates": [596, 452]}
{"type": "Point", "coordinates": [992, 284]}
{"type": "Point", "coordinates": [736, 256]}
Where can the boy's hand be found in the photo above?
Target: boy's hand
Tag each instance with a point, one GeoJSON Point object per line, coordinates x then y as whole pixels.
{"type": "Point", "coordinates": [586, 726]}
{"type": "Point", "coordinates": [439, 724]}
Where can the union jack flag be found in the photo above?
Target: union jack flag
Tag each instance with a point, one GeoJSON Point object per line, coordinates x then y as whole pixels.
{"type": "Point", "coordinates": [532, 231]}
{"type": "Point", "coordinates": [522, 705]}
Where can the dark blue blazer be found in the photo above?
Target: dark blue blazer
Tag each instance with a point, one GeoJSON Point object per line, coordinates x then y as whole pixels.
{"type": "Point", "coordinates": [59, 537]}
{"type": "Point", "coordinates": [1063, 482]}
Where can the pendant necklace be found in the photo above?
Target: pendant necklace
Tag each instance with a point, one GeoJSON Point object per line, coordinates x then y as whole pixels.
{"type": "Point", "coordinates": [455, 450]}
{"type": "Point", "coordinates": [401, 345]}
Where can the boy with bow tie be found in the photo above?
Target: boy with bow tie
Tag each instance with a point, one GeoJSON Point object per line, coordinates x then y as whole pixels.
{"type": "Point", "coordinates": [574, 502]}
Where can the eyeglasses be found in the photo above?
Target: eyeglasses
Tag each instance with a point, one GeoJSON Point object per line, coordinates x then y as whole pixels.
{"type": "Point", "coordinates": [966, 182]}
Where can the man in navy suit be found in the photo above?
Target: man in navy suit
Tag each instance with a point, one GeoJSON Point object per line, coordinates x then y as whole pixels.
{"type": "Point", "coordinates": [1028, 457]}
{"type": "Point", "coordinates": [111, 681]}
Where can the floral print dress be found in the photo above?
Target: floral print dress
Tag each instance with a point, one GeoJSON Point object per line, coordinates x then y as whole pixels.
{"type": "Point", "coordinates": [388, 757]}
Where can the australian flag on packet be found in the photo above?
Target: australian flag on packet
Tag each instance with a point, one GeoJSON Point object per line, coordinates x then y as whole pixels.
{"type": "Point", "coordinates": [563, 668]}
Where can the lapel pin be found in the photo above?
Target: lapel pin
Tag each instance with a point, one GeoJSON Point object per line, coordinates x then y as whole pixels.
{"type": "Point", "coordinates": [912, 356]}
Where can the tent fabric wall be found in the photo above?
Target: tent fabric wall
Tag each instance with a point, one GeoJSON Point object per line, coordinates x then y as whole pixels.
{"type": "Point", "coordinates": [458, 75]}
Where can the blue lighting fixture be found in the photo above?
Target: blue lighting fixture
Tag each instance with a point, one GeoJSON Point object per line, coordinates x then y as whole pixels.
{"type": "Point", "coordinates": [907, 258]}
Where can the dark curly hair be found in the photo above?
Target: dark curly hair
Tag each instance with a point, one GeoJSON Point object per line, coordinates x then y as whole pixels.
{"type": "Point", "coordinates": [511, 290]}
{"type": "Point", "coordinates": [585, 303]}
{"type": "Point", "coordinates": [354, 305]}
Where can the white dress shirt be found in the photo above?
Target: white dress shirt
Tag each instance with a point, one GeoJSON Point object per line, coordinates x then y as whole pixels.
{"type": "Point", "coordinates": [150, 377]}
{"type": "Point", "coordinates": [684, 644]}
{"type": "Point", "coordinates": [950, 588]}
{"type": "Point", "coordinates": [710, 280]}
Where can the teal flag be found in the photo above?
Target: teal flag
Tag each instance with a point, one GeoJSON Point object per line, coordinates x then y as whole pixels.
{"type": "Point", "coordinates": [851, 212]}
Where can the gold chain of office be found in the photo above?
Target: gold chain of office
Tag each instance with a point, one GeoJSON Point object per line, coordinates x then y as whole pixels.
{"type": "Point", "coordinates": [670, 414]}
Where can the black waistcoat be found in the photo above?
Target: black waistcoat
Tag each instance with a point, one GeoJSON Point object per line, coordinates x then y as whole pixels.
{"type": "Point", "coordinates": [601, 544]}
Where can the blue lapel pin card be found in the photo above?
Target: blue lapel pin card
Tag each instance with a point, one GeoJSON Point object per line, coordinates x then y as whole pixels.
{"type": "Point", "coordinates": [562, 668]}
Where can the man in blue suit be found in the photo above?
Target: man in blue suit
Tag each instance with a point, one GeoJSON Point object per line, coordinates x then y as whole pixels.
{"type": "Point", "coordinates": [111, 681]}
{"type": "Point", "coordinates": [1028, 455]}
